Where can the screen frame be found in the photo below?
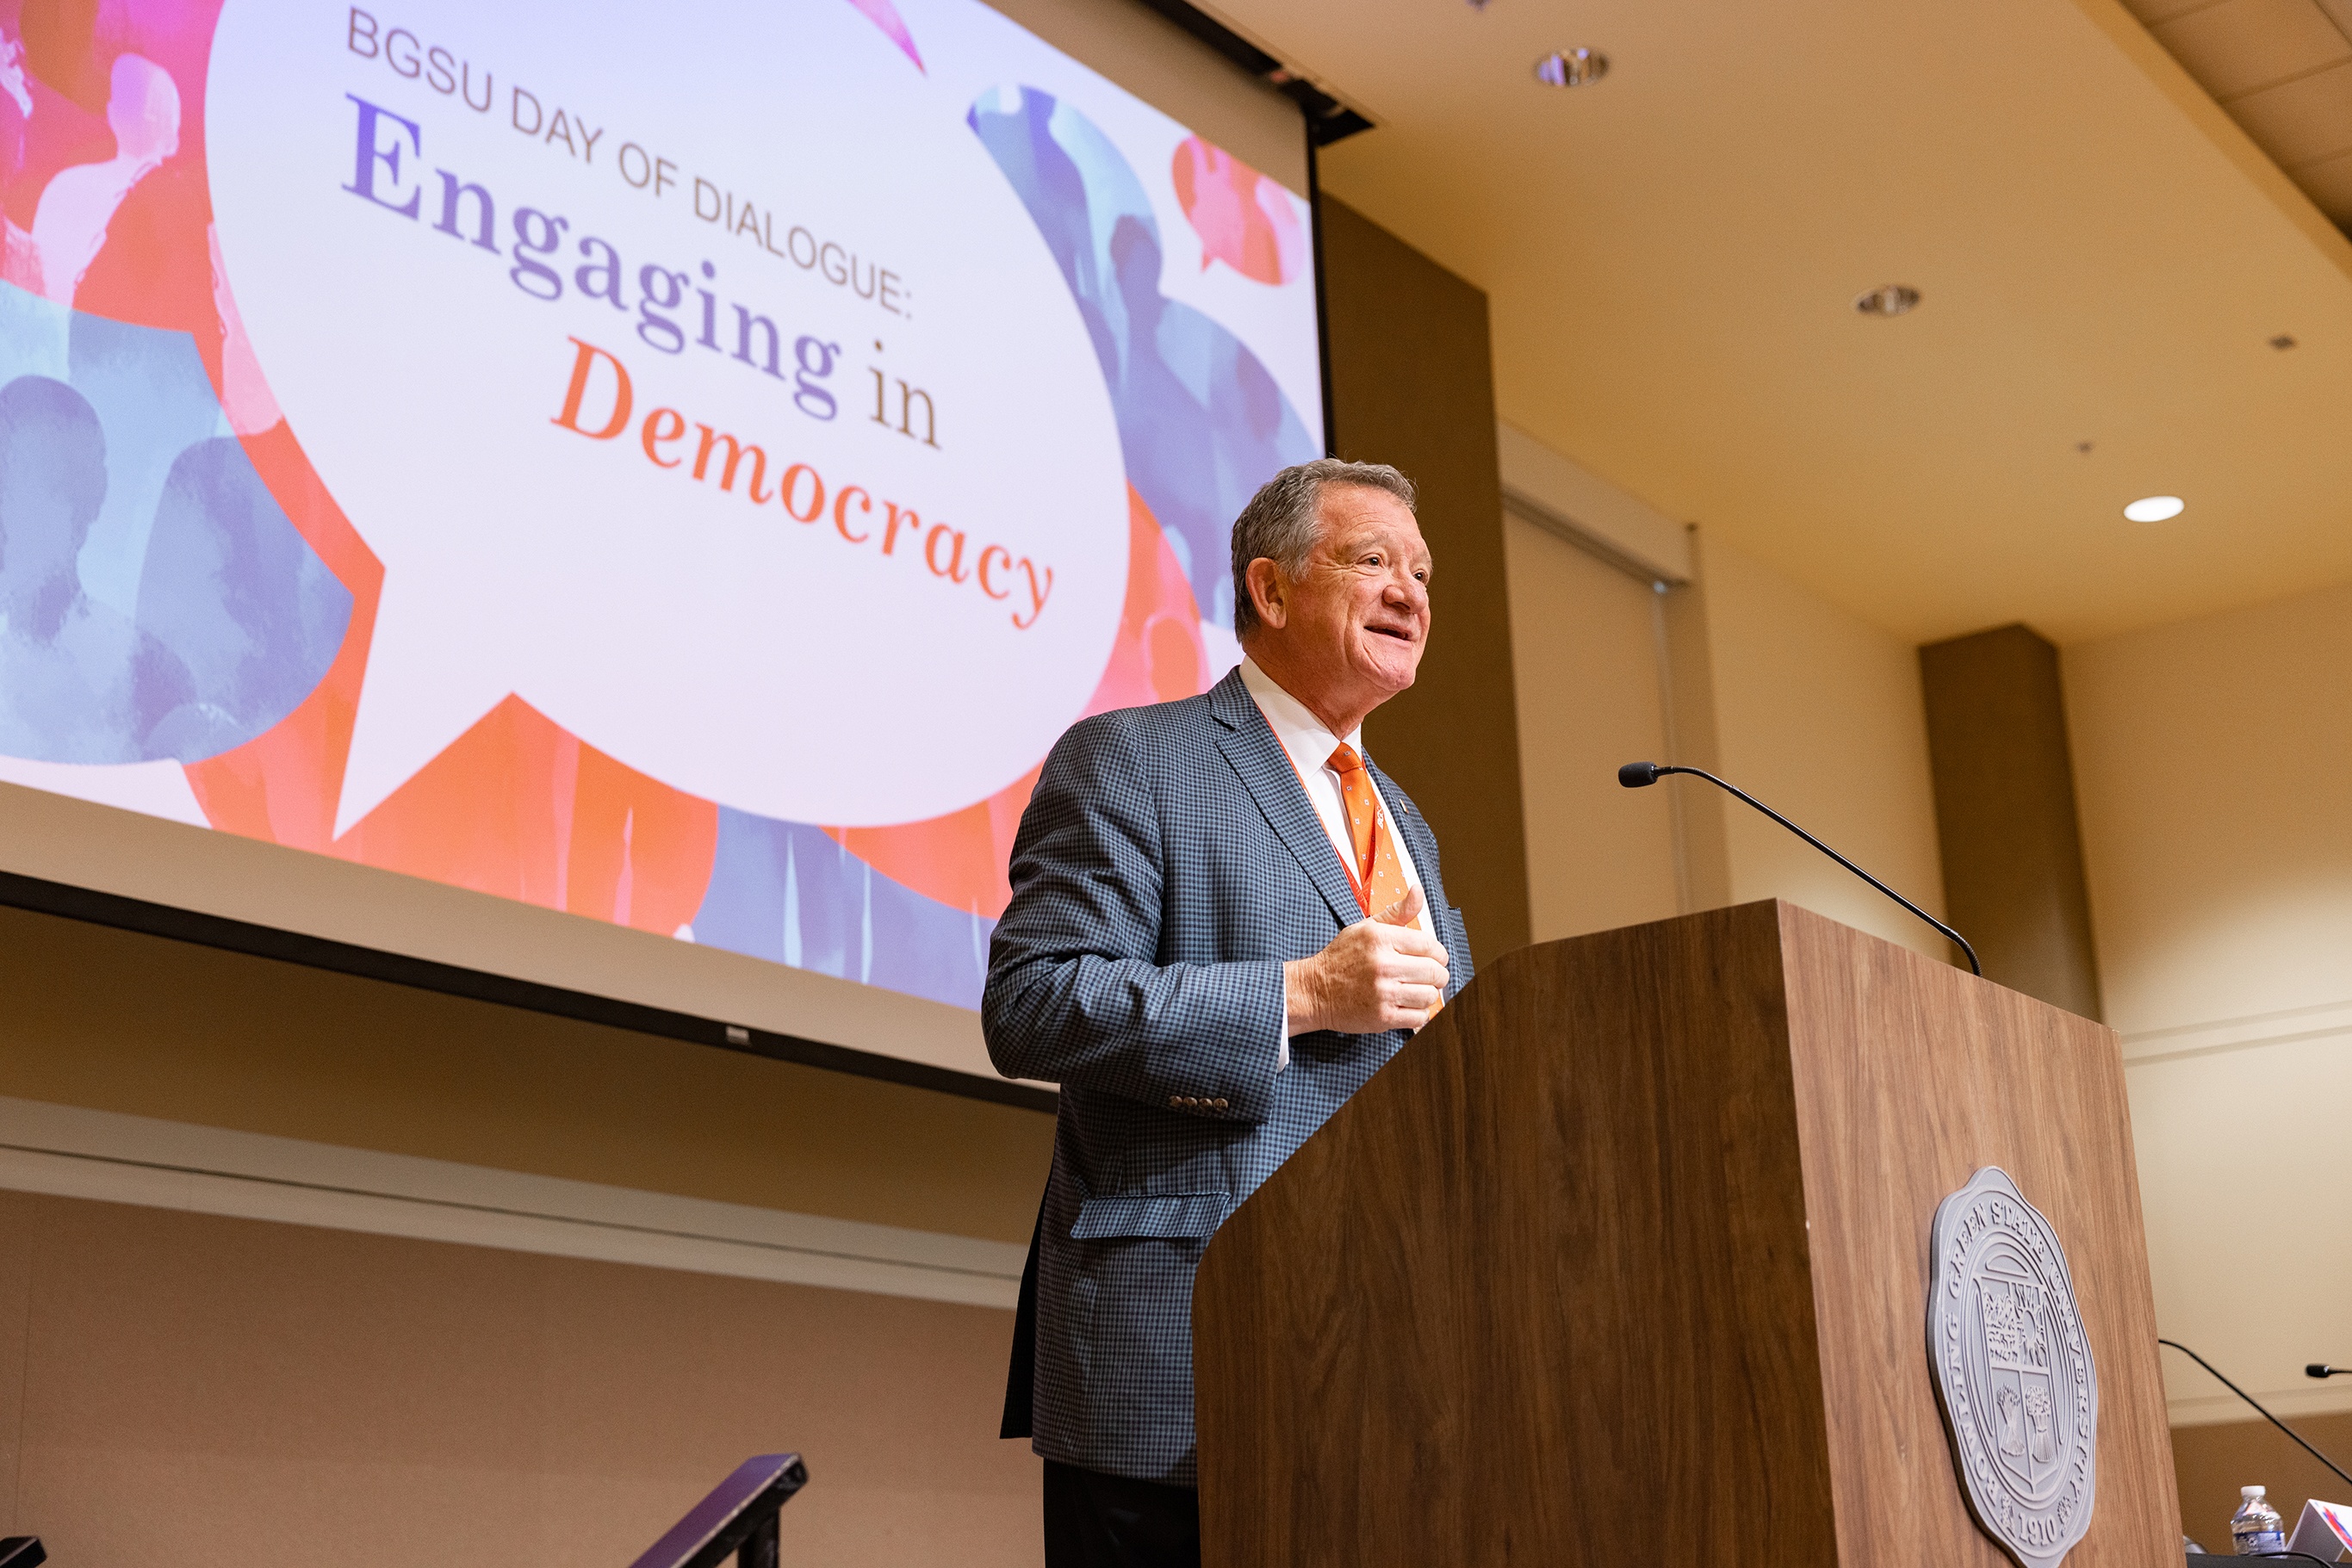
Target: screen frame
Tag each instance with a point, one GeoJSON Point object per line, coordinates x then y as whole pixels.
{"type": "Point", "coordinates": [216, 889]}
{"type": "Point", "coordinates": [204, 887]}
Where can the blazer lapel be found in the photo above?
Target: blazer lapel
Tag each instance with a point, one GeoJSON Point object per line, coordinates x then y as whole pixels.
{"type": "Point", "coordinates": [1250, 745]}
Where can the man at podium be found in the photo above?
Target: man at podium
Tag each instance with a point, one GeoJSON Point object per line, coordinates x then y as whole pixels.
{"type": "Point", "coordinates": [1224, 919]}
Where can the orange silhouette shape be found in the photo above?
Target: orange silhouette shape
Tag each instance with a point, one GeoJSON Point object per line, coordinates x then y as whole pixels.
{"type": "Point", "coordinates": [1244, 219]}
{"type": "Point", "coordinates": [519, 807]}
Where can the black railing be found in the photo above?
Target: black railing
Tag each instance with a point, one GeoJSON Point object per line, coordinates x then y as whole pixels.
{"type": "Point", "coordinates": [738, 1519]}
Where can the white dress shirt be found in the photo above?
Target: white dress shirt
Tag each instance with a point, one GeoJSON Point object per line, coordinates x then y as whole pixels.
{"type": "Point", "coordinates": [1310, 747]}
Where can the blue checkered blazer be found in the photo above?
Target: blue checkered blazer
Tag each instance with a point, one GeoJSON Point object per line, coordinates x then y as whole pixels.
{"type": "Point", "coordinates": [1169, 862]}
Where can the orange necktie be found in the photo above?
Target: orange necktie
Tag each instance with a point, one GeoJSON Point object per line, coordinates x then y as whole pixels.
{"type": "Point", "coordinates": [1377, 873]}
{"type": "Point", "coordinates": [1378, 876]}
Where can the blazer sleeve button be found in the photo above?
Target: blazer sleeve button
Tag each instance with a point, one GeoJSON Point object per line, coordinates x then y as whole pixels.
{"type": "Point", "coordinates": [1220, 1104]}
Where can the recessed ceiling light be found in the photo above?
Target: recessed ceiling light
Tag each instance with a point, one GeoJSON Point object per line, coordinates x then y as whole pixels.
{"type": "Point", "coordinates": [1887, 299]}
{"type": "Point", "coordinates": [1571, 67]}
{"type": "Point", "coordinates": [2155, 508]}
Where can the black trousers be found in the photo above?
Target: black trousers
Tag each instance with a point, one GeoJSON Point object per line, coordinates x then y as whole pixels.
{"type": "Point", "coordinates": [1094, 1521]}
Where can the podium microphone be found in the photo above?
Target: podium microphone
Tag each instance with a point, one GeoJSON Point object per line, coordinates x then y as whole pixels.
{"type": "Point", "coordinates": [2321, 1369]}
{"type": "Point", "coordinates": [2314, 1370]}
{"type": "Point", "coordinates": [1642, 775]}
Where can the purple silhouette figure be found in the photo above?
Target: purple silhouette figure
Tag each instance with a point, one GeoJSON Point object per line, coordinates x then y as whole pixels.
{"type": "Point", "coordinates": [78, 682]}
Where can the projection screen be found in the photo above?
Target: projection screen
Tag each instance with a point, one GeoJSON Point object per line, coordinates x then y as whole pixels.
{"type": "Point", "coordinates": [619, 497]}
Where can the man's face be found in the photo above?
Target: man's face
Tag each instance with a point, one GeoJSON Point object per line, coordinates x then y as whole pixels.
{"type": "Point", "coordinates": [1358, 616]}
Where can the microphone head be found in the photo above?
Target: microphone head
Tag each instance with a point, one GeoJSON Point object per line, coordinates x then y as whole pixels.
{"type": "Point", "coordinates": [1638, 775]}
{"type": "Point", "coordinates": [2321, 1369]}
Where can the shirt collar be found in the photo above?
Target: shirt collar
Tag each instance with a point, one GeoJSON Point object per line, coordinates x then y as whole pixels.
{"type": "Point", "coordinates": [1293, 722]}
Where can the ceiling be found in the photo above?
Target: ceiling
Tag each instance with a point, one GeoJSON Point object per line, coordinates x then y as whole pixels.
{"type": "Point", "coordinates": [1671, 256]}
{"type": "Point", "coordinates": [2283, 70]}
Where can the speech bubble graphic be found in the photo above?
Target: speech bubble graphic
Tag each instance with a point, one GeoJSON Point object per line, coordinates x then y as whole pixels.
{"type": "Point", "coordinates": [714, 394]}
{"type": "Point", "coordinates": [1243, 219]}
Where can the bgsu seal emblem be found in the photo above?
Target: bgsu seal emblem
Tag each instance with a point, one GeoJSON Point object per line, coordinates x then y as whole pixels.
{"type": "Point", "coordinates": [2013, 1371]}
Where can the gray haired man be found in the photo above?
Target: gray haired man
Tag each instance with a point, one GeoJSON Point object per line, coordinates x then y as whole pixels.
{"type": "Point", "coordinates": [1224, 919]}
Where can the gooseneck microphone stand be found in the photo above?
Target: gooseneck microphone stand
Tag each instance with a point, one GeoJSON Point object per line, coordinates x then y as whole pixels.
{"type": "Point", "coordinates": [2266, 1415]}
{"type": "Point", "coordinates": [1642, 775]}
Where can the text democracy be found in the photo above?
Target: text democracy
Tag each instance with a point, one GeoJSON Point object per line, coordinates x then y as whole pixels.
{"type": "Point", "coordinates": [800, 490]}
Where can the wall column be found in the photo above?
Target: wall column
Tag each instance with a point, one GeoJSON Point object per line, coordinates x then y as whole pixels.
{"type": "Point", "coordinates": [1412, 384]}
{"type": "Point", "coordinates": [2005, 820]}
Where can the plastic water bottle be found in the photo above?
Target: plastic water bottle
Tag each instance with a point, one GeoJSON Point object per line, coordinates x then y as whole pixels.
{"type": "Point", "coordinates": [2257, 1526]}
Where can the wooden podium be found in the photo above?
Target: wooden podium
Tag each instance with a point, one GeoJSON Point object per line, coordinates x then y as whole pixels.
{"type": "Point", "coordinates": [1625, 1259]}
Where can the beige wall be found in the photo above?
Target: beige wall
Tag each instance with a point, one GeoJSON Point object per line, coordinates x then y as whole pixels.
{"type": "Point", "coordinates": [2214, 759]}
{"type": "Point", "coordinates": [1584, 645]}
{"type": "Point", "coordinates": [228, 1394]}
{"type": "Point", "coordinates": [114, 1021]}
{"type": "Point", "coordinates": [2214, 762]}
{"type": "Point", "coordinates": [1818, 713]}
{"type": "Point", "coordinates": [1807, 708]}
{"type": "Point", "coordinates": [263, 1387]}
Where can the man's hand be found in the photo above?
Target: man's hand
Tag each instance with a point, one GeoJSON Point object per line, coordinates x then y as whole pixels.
{"type": "Point", "coordinates": [1379, 974]}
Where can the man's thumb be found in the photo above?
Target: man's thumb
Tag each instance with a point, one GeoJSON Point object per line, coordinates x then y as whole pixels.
{"type": "Point", "coordinates": [1404, 911]}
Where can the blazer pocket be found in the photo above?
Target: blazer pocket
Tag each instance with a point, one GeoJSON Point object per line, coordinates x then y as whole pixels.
{"type": "Point", "coordinates": [1193, 1216]}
